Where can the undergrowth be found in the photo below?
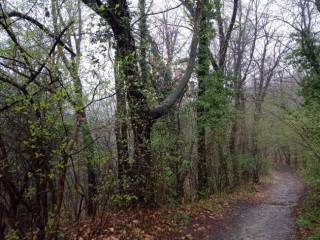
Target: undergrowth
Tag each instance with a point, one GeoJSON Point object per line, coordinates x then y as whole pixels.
{"type": "Point", "coordinates": [309, 213]}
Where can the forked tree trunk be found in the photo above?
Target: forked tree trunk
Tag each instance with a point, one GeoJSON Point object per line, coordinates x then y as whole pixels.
{"type": "Point", "coordinates": [139, 114]}
{"type": "Point", "coordinates": [116, 13]}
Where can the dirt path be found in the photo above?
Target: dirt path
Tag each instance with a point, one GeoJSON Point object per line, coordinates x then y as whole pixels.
{"type": "Point", "coordinates": [272, 219]}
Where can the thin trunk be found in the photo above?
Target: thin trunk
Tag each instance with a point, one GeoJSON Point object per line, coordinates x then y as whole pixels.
{"type": "Point", "coordinates": [234, 136]}
{"type": "Point", "coordinates": [243, 141]}
{"type": "Point", "coordinates": [89, 155]}
{"type": "Point", "coordinates": [223, 169]}
{"type": "Point", "coordinates": [41, 173]}
{"type": "Point", "coordinates": [3, 156]}
{"type": "Point", "coordinates": [234, 154]}
{"type": "Point", "coordinates": [87, 139]}
{"type": "Point", "coordinates": [255, 151]}
{"type": "Point", "coordinates": [143, 31]}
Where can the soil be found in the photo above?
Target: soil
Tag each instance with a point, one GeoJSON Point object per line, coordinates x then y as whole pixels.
{"type": "Point", "coordinates": [272, 217]}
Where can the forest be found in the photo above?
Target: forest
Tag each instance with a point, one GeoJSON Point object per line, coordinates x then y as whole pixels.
{"type": "Point", "coordinates": [129, 119]}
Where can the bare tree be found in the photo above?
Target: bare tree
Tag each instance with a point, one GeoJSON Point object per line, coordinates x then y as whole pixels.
{"type": "Point", "coordinates": [266, 63]}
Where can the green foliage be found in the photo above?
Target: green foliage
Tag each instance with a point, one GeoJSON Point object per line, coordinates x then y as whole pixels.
{"type": "Point", "coordinates": [303, 221]}
{"type": "Point", "coordinates": [247, 162]}
{"type": "Point", "coordinates": [52, 230]}
{"type": "Point", "coordinates": [306, 59]}
{"type": "Point", "coordinates": [215, 102]}
{"type": "Point", "coordinates": [306, 119]}
{"type": "Point", "coordinates": [315, 236]}
{"type": "Point", "coordinates": [182, 218]}
{"type": "Point", "coordinates": [123, 200]}
{"type": "Point", "coordinates": [108, 195]}
{"type": "Point", "coordinates": [12, 235]}
{"type": "Point", "coordinates": [166, 159]}
{"type": "Point", "coordinates": [310, 217]}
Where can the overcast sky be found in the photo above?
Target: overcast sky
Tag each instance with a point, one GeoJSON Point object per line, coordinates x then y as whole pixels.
{"type": "Point", "coordinates": [92, 74]}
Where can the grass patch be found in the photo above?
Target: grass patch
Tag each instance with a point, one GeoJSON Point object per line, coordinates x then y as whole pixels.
{"type": "Point", "coordinates": [309, 218]}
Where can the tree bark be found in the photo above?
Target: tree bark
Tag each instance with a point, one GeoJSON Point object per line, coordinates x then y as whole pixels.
{"type": "Point", "coordinates": [121, 129]}
{"type": "Point", "coordinates": [116, 13]}
{"type": "Point", "coordinates": [72, 65]}
{"type": "Point", "coordinates": [255, 150]}
{"type": "Point", "coordinates": [223, 168]}
{"type": "Point", "coordinates": [203, 75]}
{"type": "Point", "coordinates": [234, 136]}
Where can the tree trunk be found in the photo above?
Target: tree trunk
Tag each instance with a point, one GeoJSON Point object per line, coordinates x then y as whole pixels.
{"type": "Point", "coordinates": [87, 139]}
{"type": "Point", "coordinates": [223, 169]}
{"type": "Point", "coordinates": [89, 154]}
{"type": "Point", "coordinates": [41, 163]}
{"type": "Point", "coordinates": [140, 117]}
{"type": "Point", "coordinates": [255, 153]}
{"type": "Point", "coordinates": [203, 73]}
{"type": "Point", "coordinates": [243, 139]}
{"type": "Point", "coordinates": [142, 168]}
{"type": "Point", "coordinates": [143, 29]}
{"type": "Point", "coordinates": [117, 14]}
{"type": "Point", "coordinates": [121, 130]}
{"type": "Point", "coordinates": [234, 135]}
